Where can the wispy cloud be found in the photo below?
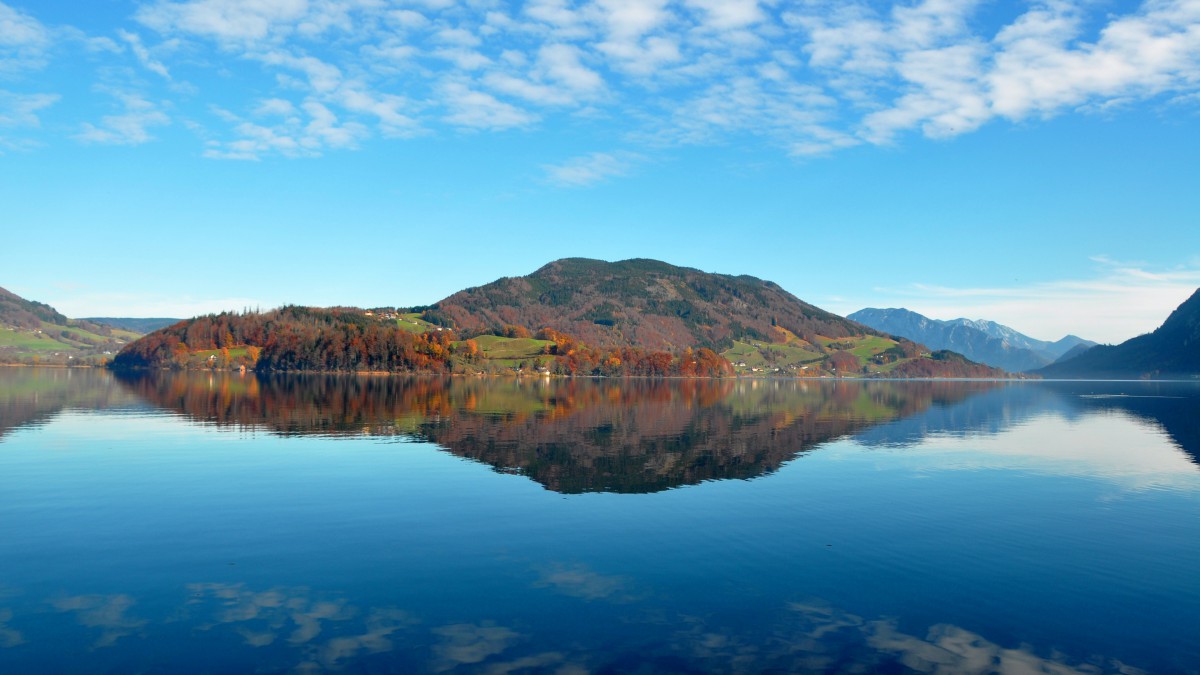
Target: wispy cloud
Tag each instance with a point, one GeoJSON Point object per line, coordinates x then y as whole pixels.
{"type": "Point", "coordinates": [1120, 301]}
{"type": "Point", "coordinates": [807, 78]}
{"type": "Point", "coordinates": [468, 107]}
{"type": "Point", "coordinates": [143, 55]}
{"type": "Point", "coordinates": [131, 126]}
{"type": "Point", "coordinates": [23, 40]}
{"type": "Point", "coordinates": [231, 20]}
{"type": "Point", "coordinates": [591, 169]}
{"type": "Point", "coordinates": [20, 110]}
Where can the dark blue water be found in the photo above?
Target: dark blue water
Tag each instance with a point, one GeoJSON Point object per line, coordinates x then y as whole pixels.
{"type": "Point", "coordinates": [218, 524]}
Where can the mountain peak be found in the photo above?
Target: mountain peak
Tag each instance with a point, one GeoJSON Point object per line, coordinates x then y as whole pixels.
{"type": "Point", "coordinates": [1184, 322]}
{"type": "Point", "coordinates": [639, 301]}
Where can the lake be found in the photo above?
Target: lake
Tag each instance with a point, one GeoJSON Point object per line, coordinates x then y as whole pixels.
{"type": "Point", "coordinates": [219, 523]}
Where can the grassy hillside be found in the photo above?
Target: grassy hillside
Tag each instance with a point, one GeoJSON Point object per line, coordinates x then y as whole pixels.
{"type": "Point", "coordinates": [35, 333]}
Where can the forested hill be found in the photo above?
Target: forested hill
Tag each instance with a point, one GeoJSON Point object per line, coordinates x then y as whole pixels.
{"type": "Point", "coordinates": [572, 317]}
{"type": "Point", "coordinates": [641, 302]}
{"type": "Point", "coordinates": [1173, 350]}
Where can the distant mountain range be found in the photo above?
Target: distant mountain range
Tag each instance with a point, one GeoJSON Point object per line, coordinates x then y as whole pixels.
{"type": "Point", "coordinates": [134, 324]}
{"type": "Point", "coordinates": [1173, 350]}
{"type": "Point", "coordinates": [982, 341]}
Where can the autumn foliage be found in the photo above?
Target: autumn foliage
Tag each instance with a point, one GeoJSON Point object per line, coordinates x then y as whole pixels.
{"type": "Point", "coordinates": [302, 339]}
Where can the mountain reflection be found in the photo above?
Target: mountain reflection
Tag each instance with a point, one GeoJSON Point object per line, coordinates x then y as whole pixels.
{"type": "Point", "coordinates": [1172, 407]}
{"type": "Point", "coordinates": [571, 436]}
{"type": "Point", "coordinates": [631, 436]}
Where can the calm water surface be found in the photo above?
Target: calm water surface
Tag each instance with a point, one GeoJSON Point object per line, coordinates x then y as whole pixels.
{"type": "Point", "coordinates": [220, 523]}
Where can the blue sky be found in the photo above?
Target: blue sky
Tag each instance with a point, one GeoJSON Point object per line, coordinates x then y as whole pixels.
{"type": "Point", "coordinates": [1033, 163]}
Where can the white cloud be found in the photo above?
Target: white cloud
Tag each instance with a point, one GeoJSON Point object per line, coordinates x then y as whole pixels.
{"type": "Point", "coordinates": [729, 14]}
{"type": "Point", "coordinates": [558, 78]}
{"type": "Point", "coordinates": [291, 131]}
{"type": "Point", "coordinates": [20, 110]}
{"type": "Point", "coordinates": [23, 40]}
{"type": "Point", "coordinates": [563, 64]}
{"type": "Point", "coordinates": [386, 108]}
{"type": "Point", "coordinates": [324, 128]}
{"type": "Point", "coordinates": [130, 127]}
{"type": "Point", "coordinates": [240, 20]}
{"type": "Point", "coordinates": [143, 54]}
{"type": "Point", "coordinates": [631, 19]}
{"type": "Point", "coordinates": [808, 78]}
{"type": "Point", "coordinates": [945, 99]}
{"type": "Point", "coordinates": [407, 19]}
{"type": "Point", "coordinates": [458, 37]}
{"type": "Point", "coordinates": [275, 107]}
{"type": "Point", "coordinates": [590, 169]}
{"type": "Point", "coordinates": [787, 110]}
{"type": "Point", "coordinates": [322, 77]}
{"type": "Point", "coordinates": [567, 22]}
{"type": "Point", "coordinates": [471, 108]}
{"type": "Point", "coordinates": [921, 68]}
{"type": "Point", "coordinates": [462, 58]}
{"type": "Point", "coordinates": [1040, 68]}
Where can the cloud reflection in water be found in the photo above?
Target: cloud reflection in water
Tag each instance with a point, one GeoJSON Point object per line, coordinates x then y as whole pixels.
{"type": "Point", "coordinates": [105, 612]}
{"type": "Point", "coordinates": [9, 637]}
{"type": "Point", "coordinates": [805, 637]}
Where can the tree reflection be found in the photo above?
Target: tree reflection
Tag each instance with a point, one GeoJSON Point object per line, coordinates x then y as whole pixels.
{"type": "Point", "coordinates": [573, 435]}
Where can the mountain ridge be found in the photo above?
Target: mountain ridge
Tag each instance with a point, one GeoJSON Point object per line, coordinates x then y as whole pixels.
{"type": "Point", "coordinates": [980, 340]}
{"type": "Point", "coordinates": [135, 324]}
{"type": "Point", "coordinates": [640, 301]}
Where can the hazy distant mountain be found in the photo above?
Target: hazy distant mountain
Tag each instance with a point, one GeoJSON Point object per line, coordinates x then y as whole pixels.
{"type": "Point", "coordinates": [134, 324]}
{"type": "Point", "coordinates": [1016, 339]}
{"type": "Point", "coordinates": [1173, 350]}
{"type": "Point", "coordinates": [983, 341]}
{"type": "Point", "coordinates": [1074, 351]}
